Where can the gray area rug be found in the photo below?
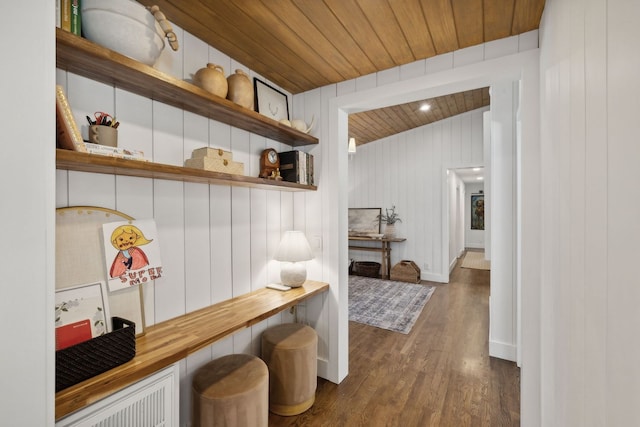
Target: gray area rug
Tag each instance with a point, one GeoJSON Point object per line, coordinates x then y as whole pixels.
{"type": "Point", "coordinates": [386, 304]}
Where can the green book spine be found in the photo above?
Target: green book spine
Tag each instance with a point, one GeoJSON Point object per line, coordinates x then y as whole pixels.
{"type": "Point", "coordinates": [76, 18]}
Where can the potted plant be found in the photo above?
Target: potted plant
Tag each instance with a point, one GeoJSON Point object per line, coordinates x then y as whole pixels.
{"type": "Point", "coordinates": [390, 217]}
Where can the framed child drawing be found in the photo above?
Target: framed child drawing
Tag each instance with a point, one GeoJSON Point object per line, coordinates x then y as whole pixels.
{"type": "Point", "coordinates": [132, 253]}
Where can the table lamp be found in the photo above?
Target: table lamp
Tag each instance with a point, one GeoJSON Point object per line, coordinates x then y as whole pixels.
{"type": "Point", "coordinates": [294, 248]}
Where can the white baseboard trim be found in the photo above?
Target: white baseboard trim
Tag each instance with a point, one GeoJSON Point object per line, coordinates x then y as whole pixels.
{"type": "Point", "coordinates": [323, 369]}
{"type": "Point", "coordinates": [502, 350]}
{"type": "Point", "coordinates": [432, 277]}
{"type": "Point", "coordinates": [474, 245]}
{"type": "Point", "coordinates": [452, 265]}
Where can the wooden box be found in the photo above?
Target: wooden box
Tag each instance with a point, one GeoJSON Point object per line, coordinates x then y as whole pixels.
{"type": "Point", "coordinates": [214, 153]}
{"type": "Point", "coordinates": [406, 271]}
{"type": "Point", "coordinates": [213, 164]}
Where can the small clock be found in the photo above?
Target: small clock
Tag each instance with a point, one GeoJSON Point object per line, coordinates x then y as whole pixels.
{"type": "Point", "coordinates": [269, 162]}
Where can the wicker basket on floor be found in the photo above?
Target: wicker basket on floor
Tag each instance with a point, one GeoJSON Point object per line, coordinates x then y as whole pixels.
{"type": "Point", "coordinates": [406, 271]}
{"type": "Point", "coordinates": [366, 268]}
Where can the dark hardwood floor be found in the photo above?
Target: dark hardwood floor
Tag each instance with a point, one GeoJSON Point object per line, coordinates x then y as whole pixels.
{"type": "Point", "coordinates": [440, 374]}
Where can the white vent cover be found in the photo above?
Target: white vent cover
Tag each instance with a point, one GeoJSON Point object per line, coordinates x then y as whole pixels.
{"type": "Point", "coordinates": [152, 402]}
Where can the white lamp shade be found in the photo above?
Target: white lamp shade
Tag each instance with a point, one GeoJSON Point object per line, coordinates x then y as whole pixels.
{"type": "Point", "coordinates": [294, 247]}
{"type": "Point", "coordinates": [352, 145]}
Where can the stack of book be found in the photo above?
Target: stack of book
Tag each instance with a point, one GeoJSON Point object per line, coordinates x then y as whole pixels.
{"type": "Point", "coordinates": [68, 133]}
{"type": "Point", "coordinates": [69, 16]}
{"type": "Point", "coordinates": [122, 153]}
{"type": "Point", "coordinates": [297, 166]}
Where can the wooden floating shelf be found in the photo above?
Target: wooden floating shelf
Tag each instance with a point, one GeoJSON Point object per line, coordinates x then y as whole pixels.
{"type": "Point", "coordinates": [81, 56]}
{"type": "Point", "coordinates": [168, 342]}
{"type": "Point", "coordinates": [96, 163]}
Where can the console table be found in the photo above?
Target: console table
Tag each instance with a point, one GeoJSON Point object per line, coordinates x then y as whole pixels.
{"type": "Point", "coordinates": [384, 249]}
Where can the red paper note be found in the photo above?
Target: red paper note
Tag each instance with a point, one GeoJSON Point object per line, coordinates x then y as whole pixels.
{"type": "Point", "coordinates": [72, 334]}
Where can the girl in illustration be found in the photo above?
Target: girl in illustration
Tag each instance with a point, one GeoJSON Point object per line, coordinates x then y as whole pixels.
{"type": "Point", "coordinates": [126, 240]}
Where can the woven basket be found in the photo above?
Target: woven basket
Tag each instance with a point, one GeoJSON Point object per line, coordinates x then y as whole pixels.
{"type": "Point", "coordinates": [406, 271]}
{"type": "Point", "coordinates": [85, 360]}
{"type": "Point", "coordinates": [366, 268]}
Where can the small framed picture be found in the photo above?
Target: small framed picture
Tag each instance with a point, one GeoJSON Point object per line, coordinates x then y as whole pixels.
{"type": "Point", "coordinates": [270, 101]}
{"type": "Point", "coordinates": [81, 313]}
{"type": "Point", "coordinates": [364, 221]}
{"type": "Point", "coordinates": [477, 211]}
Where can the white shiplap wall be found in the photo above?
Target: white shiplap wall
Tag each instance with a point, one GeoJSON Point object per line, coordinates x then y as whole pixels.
{"type": "Point", "coordinates": [589, 293]}
{"type": "Point", "coordinates": [216, 241]}
{"type": "Point", "coordinates": [407, 170]}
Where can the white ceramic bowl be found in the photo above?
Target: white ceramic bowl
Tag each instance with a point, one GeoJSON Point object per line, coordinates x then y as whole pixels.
{"type": "Point", "coordinates": [376, 236]}
{"type": "Point", "coordinates": [125, 26]}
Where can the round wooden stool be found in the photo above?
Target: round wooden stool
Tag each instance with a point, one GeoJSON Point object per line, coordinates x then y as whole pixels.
{"type": "Point", "coordinates": [290, 351]}
{"type": "Point", "coordinates": [229, 391]}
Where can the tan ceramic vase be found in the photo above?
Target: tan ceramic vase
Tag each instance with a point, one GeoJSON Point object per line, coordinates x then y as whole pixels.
{"type": "Point", "coordinates": [240, 89]}
{"type": "Point", "coordinates": [390, 231]}
{"type": "Point", "coordinates": [212, 79]}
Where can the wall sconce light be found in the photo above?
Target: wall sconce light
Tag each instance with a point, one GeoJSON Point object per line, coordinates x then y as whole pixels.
{"type": "Point", "coordinates": [352, 145]}
{"type": "Point", "coordinates": [294, 248]}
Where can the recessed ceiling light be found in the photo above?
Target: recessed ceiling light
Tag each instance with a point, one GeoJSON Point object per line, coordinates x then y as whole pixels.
{"type": "Point", "coordinates": [425, 107]}
{"type": "Point", "coordinates": [476, 169]}
{"type": "Point", "coordinates": [479, 178]}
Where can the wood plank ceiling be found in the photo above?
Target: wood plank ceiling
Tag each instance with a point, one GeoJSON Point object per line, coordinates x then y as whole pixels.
{"type": "Point", "coordinates": [382, 122]}
{"type": "Point", "coordinates": [300, 45]}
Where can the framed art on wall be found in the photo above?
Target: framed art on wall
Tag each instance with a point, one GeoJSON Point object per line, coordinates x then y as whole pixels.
{"type": "Point", "coordinates": [270, 102]}
{"type": "Point", "coordinates": [477, 211]}
{"type": "Point", "coordinates": [364, 221]}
